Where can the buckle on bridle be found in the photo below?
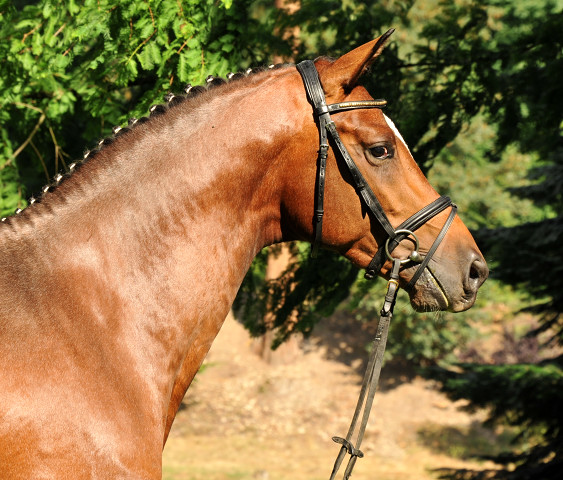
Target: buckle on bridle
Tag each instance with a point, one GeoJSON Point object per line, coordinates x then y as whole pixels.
{"type": "Point", "coordinates": [353, 451]}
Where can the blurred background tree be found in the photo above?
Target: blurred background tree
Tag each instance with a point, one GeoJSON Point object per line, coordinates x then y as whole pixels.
{"type": "Point", "coordinates": [72, 70]}
{"type": "Point", "coordinates": [474, 86]}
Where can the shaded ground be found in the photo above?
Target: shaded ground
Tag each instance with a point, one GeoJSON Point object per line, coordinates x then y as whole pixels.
{"type": "Point", "coordinates": [247, 419]}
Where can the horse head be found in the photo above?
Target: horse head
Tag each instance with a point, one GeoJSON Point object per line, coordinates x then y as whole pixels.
{"type": "Point", "coordinates": [373, 152]}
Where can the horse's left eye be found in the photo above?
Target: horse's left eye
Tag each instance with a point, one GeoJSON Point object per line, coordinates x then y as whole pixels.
{"type": "Point", "coordinates": [380, 152]}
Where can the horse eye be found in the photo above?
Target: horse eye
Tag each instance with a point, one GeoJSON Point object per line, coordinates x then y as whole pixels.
{"type": "Point", "coordinates": [380, 151]}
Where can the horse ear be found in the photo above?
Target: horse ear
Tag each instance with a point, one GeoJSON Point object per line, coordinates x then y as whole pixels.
{"type": "Point", "coordinates": [341, 76]}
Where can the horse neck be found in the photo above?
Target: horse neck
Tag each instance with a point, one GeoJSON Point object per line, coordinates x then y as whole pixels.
{"type": "Point", "coordinates": [190, 181]}
{"type": "Point", "coordinates": [151, 239]}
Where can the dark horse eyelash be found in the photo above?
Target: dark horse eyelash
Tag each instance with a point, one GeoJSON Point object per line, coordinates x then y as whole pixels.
{"type": "Point", "coordinates": [170, 100]}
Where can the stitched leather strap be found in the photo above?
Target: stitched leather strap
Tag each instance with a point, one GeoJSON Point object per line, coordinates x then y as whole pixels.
{"type": "Point", "coordinates": [412, 223]}
{"type": "Point", "coordinates": [433, 248]}
{"type": "Point", "coordinates": [317, 98]}
{"type": "Point", "coordinates": [316, 95]}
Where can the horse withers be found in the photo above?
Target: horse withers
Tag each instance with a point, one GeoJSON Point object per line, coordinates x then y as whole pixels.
{"type": "Point", "coordinates": [114, 283]}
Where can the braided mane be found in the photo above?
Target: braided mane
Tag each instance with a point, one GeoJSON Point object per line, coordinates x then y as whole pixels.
{"type": "Point", "coordinates": [171, 100]}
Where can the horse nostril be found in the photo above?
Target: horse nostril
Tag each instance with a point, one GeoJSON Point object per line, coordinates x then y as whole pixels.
{"type": "Point", "coordinates": [473, 272]}
{"type": "Point", "coordinates": [478, 272]}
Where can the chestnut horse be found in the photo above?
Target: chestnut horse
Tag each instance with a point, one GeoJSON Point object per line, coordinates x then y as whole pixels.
{"type": "Point", "coordinates": [115, 282]}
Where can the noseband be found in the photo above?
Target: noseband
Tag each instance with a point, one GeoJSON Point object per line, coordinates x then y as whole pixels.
{"type": "Point", "coordinates": [394, 236]}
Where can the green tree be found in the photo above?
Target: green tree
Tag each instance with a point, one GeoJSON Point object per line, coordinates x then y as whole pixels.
{"type": "Point", "coordinates": [515, 69]}
{"type": "Point", "coordinates": [71, 70]}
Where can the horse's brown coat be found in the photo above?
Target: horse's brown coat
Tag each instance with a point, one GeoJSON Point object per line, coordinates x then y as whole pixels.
{"type": "Point", "coordinates": [114, 285]}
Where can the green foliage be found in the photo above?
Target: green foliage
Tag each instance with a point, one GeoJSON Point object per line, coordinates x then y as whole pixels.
{"type": "Point", "coordinates": [526, 396]}
{"type": "Point", "coordinates": [73, 70]}
{"type": "Point", "coordinates": [467, 442]}
{"type": "Point", "coordinates": [483, 190]}
{"type": "Point", "coordinates": [301, 293]}
{"type": "Point", "coordinates": [515, 58]}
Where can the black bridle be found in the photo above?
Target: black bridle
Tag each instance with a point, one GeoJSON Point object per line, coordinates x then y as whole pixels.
{"type": "Point", "coordinates": [394, 235]}
{"type": "Point", "coordinates": [406, 229]}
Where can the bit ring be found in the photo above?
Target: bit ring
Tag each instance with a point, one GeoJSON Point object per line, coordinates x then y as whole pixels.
{"type": "Point", "coordinates": [414, 256]}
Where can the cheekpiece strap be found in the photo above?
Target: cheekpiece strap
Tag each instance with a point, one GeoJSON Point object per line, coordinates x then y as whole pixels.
{"type": "Point", "coordinates": [316, 96]}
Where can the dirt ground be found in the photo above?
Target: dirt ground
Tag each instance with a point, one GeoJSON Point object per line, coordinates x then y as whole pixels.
{"type": "Point", "coordinates": [246, 418]}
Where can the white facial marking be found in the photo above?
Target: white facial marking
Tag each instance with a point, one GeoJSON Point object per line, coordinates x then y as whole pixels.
{"type": "Point", "coordinates": [396, 131]}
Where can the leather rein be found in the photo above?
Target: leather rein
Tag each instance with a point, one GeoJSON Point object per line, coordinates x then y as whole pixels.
{"type": "Point", "coordinates": [405, 230]}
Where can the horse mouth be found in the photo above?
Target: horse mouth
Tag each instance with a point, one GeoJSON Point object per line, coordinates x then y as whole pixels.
{"type": "Point", "coordinates": [439, 288]}
{"type": "Point", "coordinates": [431, 295]}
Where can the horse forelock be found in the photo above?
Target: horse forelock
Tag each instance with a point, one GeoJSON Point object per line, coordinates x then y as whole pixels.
{"type": "Point", "coordinates": [192, 98]}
